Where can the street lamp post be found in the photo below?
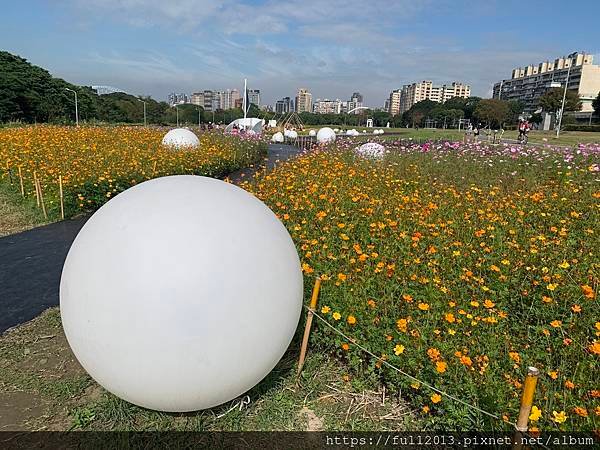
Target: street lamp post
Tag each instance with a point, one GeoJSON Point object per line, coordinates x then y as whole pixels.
{"type": "Point", "coordinates": [562, 108]}
{"type": "Point", "coordinates": [199, 113]}
{"type": "Point", "coordinates": [76, 110]}
{"type": "Point", "coordinates": [140, 100]}
{"type": "Point", "coordinates": [177, 114]}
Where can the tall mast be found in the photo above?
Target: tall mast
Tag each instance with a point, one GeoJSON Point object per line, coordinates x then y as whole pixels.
{"type": "Point", "coordinates": [244, 101]}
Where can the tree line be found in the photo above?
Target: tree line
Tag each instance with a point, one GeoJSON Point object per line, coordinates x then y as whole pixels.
{"type": "Point", "coordinates": [30, 94]}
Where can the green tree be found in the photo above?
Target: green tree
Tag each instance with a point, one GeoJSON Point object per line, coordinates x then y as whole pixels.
{"type": "Point", "coordinates": [536, 118]}
{"type": "Point", "coordinates": [492, 112]}
{"type": "Point", "coordinates": [596, 104]}
{"type": "Point", "coordinates": [516, 108]}
{"type": "Point", "coordinates": [420, 111]}
{"type": "Point", "coordinates": [551, 101]}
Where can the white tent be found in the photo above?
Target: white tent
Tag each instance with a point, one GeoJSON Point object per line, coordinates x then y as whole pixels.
{"type": "Point", "coordinates": [249, 123]}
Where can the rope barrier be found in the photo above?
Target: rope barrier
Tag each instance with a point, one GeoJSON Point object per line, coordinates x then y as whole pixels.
{"type": "Point", "coordinates": [433, 388]}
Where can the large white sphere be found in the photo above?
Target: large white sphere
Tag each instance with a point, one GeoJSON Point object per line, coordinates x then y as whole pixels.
{"type": "Point", "coordinates": [277, 137]}
{"type": "Point", "coordinates": [293, 134]}
{"type": "Point", "coordinates": [325, 135]}
{"type": "Point", "coordinates": [371, 150]}
{"type": "Point", "coordinates": [181, 293]}
{"type": "Point", "coordinates": [312, 133]}
{"type": "Point", "coordinates": [180, 137]}
{"type": "Point", "coordinates": [286, 133]}
{"type": "Point", "coordinates": [349, 133]}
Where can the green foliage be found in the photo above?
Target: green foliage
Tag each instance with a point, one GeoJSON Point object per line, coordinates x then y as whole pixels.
{"type": "Point", "coordinates": [576, 127]}
{"type": "Point", "coordinates": [536, 118]}
{"type": "Point", "coordinates": [596, 104]}
{"type": "Point", "coordinates": [492, 112]}
{"type": "Point", "coordinates": [551, 101]}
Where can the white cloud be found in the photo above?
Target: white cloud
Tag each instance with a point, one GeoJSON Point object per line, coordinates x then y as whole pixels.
{"type": "Point", "coordinates": [332, 47]}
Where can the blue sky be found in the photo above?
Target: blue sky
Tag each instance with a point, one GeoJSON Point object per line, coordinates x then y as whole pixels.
{"type": "Point", "coordinates": [333, 47]}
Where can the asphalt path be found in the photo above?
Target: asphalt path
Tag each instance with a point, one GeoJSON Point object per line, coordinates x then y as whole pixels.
{"type": "Point", "coordinates": [31, 262]}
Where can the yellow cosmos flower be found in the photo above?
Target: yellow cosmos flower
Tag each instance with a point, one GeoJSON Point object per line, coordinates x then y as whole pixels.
{"type": "Point", "coordinates": [536, 413]}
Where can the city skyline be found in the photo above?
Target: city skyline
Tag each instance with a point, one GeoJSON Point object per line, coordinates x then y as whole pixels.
{"type": "Point", "coordinates": [149, 47]}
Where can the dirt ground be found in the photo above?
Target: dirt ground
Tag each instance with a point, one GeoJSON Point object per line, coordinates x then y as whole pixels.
{"type": "Point", "coordinates": [43, 387]}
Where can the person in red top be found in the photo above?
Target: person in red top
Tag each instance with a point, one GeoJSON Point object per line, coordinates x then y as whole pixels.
{"type": "Point", "coordinates": [524, 127]}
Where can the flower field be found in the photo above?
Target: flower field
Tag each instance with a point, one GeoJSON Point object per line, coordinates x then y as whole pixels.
{"type": "Point", "coordinates": [461, 264]}
{"type": "Point", "coordinates": [97, 163]}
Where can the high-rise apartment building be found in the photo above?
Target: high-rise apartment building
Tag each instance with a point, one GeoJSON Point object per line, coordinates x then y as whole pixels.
{"type": "Point", "coordinates": [393, 102]}
{"type": "Point", "coordinates": [356, 101]}
{"type": "Point", "coordinates": [285, 105]}
{"type": "Point", "coordinates": [303, 101]}
{"type": "Point", "coordinates": [177, 99]}
{"type": "Point", "coordinates": [197, 98]}
{"type": "Point", "coordinates": [228, 98]}
{"type": "Point", "coordinates": [327, 106]}
{"type": "Point", "coordinates": [425, 90]}
{"type": "Point", "coordinates": [528, 84]}
{"type": "Point", "coordinates": [253, 96]}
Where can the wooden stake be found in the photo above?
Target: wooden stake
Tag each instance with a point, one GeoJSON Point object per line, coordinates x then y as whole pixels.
{"type": "Point", "coordinates": [21, 181]}
{"type": "Point", "coordinates": [309, 319]}
{"type": "Point", "coordinates": [154, 169]}
{"type": "Point", "coordinates": [62, 202]}
{"type": "Point", "coordinates": [42, 199]}
{"type": "Point", "coordinates": [37, 192]}
{"type": "Point", "coordinates": [526, 404]}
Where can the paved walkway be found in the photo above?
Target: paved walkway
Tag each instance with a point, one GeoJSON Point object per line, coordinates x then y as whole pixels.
{"type": "Point", "coordinates": [31, 262]}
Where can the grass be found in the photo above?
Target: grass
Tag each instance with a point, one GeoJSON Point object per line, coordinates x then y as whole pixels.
{"type": "Point", "coordinates": [567, 138]}
{"type": "Point", "coordinates": [43, 387]}
{"type": "Point", "coordinates": [17, 213]}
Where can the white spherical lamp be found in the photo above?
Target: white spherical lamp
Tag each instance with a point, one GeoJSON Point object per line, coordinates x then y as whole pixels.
{"type": "Point", "coordinates": [293, 134]}
{"type": "Point", "coordinates": [180, 138]}
{"type": "Point", "coordinates": [325, 135]}
{"type": "Point", "coordinates": [312, 133]}
{"type": "Point", "coordinates": [277, 137]}
{"type": "Point", "coordinates": [181, 293]}
{"type": "Point", "coordinates": [371, 150]}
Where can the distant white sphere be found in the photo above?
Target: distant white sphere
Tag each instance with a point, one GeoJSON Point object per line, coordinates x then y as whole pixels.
{"type": "Point", "coordinates": [364, 131]}
{"type": "Point", "coordinates": [312, 133]}
{"type": "Point", "coordinates": [381, 131]}
{"type": "Point", "coordinates": [292, 134]}
{"type": "Point", "coordinates": [349, 132]}
{"type": "Point", "coordinates": [336, 130]}
{"type": "Point", "coordinates": [181, 293]}
{"type": "Point", "coordinates": [180, 138]}
{"type": "Point", "coordinates": [325, 134]}
{"type": "Point", "coordinates": [371, 150]}
{"type": "Point", "coordinates": [286, 132]}
{"type": "Point", "coordinates": [277, 137]}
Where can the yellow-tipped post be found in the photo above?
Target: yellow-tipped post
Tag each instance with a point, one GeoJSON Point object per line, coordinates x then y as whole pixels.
{"type": "Point", "coordinates": [309, 319]}
{"type": "Point", "coordinates": [526, 404]}
{"type": "Point", "coordinates": [21, 182]}
{"type": "Point", "coordinates": [62, 201]}
{"type": "Point", "coordinates": [527, 398]}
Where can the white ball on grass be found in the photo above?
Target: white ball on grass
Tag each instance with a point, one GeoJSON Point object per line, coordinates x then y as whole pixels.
{"type": "Point", "coordinates": [325, 135]}
{"type": "Point", "coordinates": [312, 133]}
{"type": "Point", "coordinates": [181, 293]}
{"type": "Point", "coordinates": [277, 137]}
{"type": "Point", "coordinates": [180, 138]}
